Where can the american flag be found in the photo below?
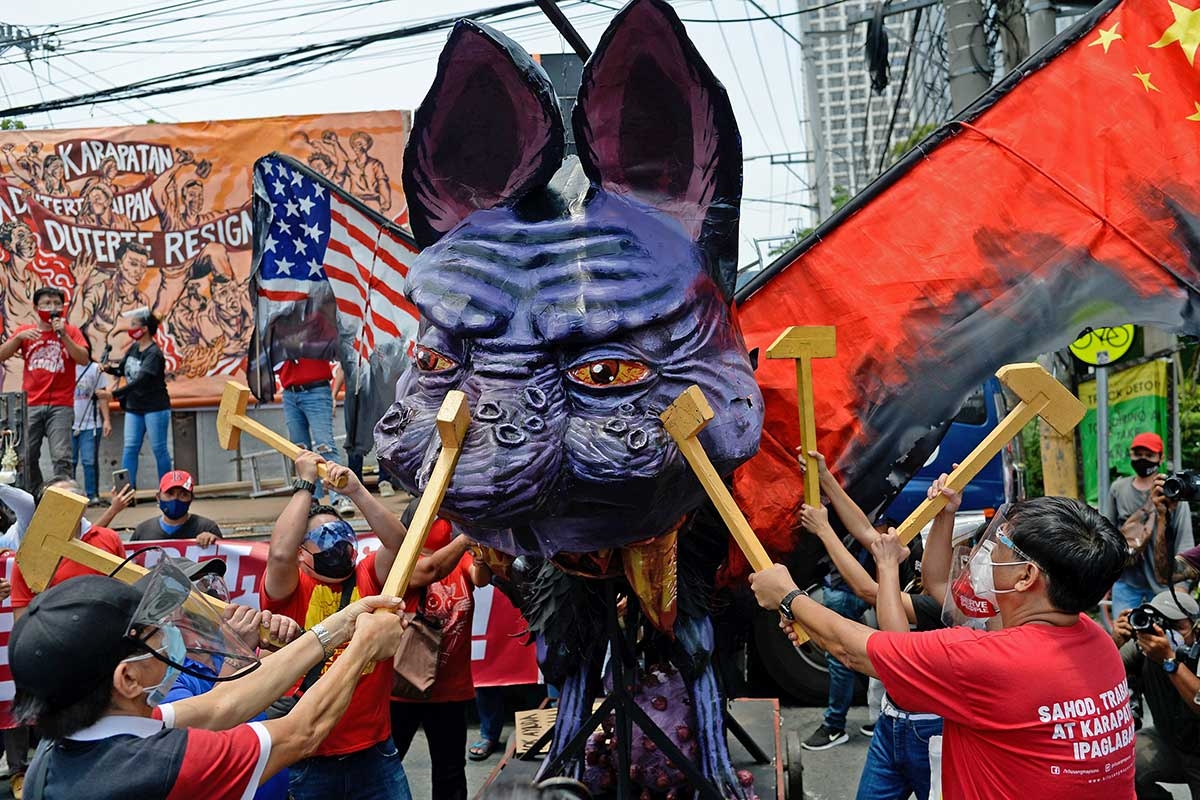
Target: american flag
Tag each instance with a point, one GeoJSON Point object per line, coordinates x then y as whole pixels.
{"type": "Point", "coordinates": [328, 278]}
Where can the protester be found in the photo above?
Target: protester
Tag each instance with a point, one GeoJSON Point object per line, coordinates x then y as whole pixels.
{"type": "Point", "coordinates": [144, 397]}
{"type": "Point", "coordinates": [312, 570]}
{"type": "Point", "coordinates": [175, 495]}
{"type": "Point", "coordinates": [49, 385]}
{"type": "Point", "coordinates": [1154, 528]}
{"type": "Point", "coordinates": [91, 422]}
{"type": "Point", "coordinates": [439, 591]}
{"type": "Point", "coordinates": [247, 623]}
{"type": "Point", "coordinates": [308, 403]}
{"type": "Point", "coordinates": [489, 700]}
{"type": "Point", "coordinates": [1162, 663]}
{"type": "Point", "coordinates": [94, 657]}
{"type": "Point", "coordinates": [1022, 718]}
{"type": "Point", "coordinates": [22, 504]}
{"type": "Point", "coordinates": [897, 762]}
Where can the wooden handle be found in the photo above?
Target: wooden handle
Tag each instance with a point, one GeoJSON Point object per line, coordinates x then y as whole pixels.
{"type": "Point", "coordinates": [683, 422]}
{"type": "Point", "coordinates": [808, 431]}
{"type": "Point", "coordinates": [285, 446]}
{"type": "Point", "coordinates": [971, 466]}
{"type": "Point", "coordinates": [453, 418]}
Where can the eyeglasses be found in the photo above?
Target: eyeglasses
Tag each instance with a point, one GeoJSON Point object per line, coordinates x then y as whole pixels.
{"type": "Point", "coordinates": [1005, 540]}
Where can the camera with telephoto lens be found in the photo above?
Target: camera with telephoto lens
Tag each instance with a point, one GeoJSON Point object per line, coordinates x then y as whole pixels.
{"type": "Point", "coordinates": [1182, 486]}
{"type": "Point", "coordinates": [1143, 619]}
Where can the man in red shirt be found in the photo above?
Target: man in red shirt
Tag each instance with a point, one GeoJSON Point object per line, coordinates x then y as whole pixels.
{"type": "Point", "coordinates": [1036, 710]}
{"type": "Point", "coordinates": [308, 403]}
{"type": "Point", "coordinates": [313, 569]}
{"type": "Point", "coordinates": [51, 348]}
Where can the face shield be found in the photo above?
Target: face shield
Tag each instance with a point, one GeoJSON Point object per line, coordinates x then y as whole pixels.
{"type": "Point", "coordinates": [191, 624]}
{"type": "Point", "coordinates": [333, 550]}
{"type": "Point", "coordinates": [971, 600]}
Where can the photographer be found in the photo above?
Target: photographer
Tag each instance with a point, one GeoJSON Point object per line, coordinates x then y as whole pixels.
{"type": "Point", "coordinates": [48, 349]}
{"type": "Point", "coordinates": [1154, 527]}
{"type": "Point", "coordinates": [1158, 646]}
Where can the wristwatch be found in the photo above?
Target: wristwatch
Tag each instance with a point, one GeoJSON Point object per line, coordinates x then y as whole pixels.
{"type": "Point", "coordinates": [785, 605]}
{"type": "Point", "coordinates": [1170, 665]}
{"type": "Point", "coordinates": [301, 485]}
{"type": "Point", "coordinates": [325, 638]}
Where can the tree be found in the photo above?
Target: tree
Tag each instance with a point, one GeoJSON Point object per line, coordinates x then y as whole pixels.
{"type": "Point", "coordinates": [840, 196]}
{"type": "Point", "coordinates": [912, 140]}
{"type": "Point", "coordinates": [10, 124]}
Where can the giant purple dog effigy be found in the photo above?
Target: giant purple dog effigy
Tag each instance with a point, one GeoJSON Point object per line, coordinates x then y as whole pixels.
{"type": "Point", "coordinates": [572, 301]}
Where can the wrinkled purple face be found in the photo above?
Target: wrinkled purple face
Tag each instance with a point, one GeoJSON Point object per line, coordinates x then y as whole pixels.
{"type": "Point", "coordinates": [569, 337]}
{"type": "Point", "coordinates": [573, 302]}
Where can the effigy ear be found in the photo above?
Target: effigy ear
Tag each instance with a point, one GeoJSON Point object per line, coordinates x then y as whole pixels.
{"type": "Point", "coordinates": [653, 123]}
{"type": "Point", "coordinates": [488, 132]}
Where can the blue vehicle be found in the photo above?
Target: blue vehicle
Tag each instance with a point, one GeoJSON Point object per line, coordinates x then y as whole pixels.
{"type": "Point", "coordinates": [1000, 479]}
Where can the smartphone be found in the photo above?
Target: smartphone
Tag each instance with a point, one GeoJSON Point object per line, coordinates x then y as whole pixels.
{"type": "Point", "coordinates": [120, 481]}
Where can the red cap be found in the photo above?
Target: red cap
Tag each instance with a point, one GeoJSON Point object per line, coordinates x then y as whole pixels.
{"type": "Point", "coordinates": [176, 478]}
{"type": "Point", "coordinates": [440, 534]}
{"type": "Point", "coordinates": [1151, 441]}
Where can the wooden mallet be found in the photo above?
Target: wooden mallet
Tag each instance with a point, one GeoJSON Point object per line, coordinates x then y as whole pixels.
{"type": "Point", "coordinates": [51, 537]}
{"type": "Point", "coordinates": [232, 422]}
{"type": "Point", "coordinates": [1041, 395]}
{"type": "Point", "coordinates": [452, 420]}
{"type": "Point", "coordinates": [684, 419]}
{"type": "Point", "coordinates": [804, 343]}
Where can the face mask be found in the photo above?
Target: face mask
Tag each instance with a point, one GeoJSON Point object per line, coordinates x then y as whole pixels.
{"type": "Point", "coordinates": [137, 333]}
{"type": "Point", "coordinates": [45, 316]}
{"type": "Point", "coordinates": [176, 652]}
{"type": "Point", "coordinates": [1144, 467]}
{"type": "Point", "coordinates": [336, 563]}
{"type": "Point", "coordinates": [174, 509]}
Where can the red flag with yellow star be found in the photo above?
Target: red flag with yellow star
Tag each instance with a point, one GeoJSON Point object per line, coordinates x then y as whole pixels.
{"type": "Point", "coordinates": [1067, 196]}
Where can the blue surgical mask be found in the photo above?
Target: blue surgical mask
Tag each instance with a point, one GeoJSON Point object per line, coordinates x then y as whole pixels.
{"type": "Point", "coordinates": [176, 652]}
{"type": "Point", "coordinates": [174, 509]}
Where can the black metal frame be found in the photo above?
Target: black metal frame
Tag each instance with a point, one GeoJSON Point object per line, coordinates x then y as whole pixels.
{"type": "Point", "coordinates": [621, 702]}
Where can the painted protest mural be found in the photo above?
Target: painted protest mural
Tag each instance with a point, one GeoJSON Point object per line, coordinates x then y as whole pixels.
{"type": "Point", "coordinates": [158, 217]}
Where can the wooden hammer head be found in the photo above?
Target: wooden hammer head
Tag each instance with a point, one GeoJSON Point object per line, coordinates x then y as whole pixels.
{"type": "Point", "coordinates": [688, 414]}
{"type": "Point", "coordinates": [54, 523]}
{"type": "Point", "coordinates": [805, 341]}
{"type": "Point", "coordinates": [453, 417]}
{"type": "Point", "coordinates": [1034, 385]}
{"type": "Point", "coordinates": [233, 405]}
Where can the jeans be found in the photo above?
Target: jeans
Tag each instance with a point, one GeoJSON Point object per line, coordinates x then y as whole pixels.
{"type": "Point", "coordinates": [898, 759]}
{"type": "Point", "coordinates": [841, 678]}
{"type": "Point", "coordinates": [136, 426]}
{"type": "Point", "coordinates": [489, 700]}
{"type": "Point", "coordinates": [445, 727]}
{"type": "Point", "coordinates": [309, 418]}
{"type": "Point", "coordinates": [1125, 596]}
{"type": "Point", "coordinates": [1159, 761]}
{"type": "Point", "coordinates": [373, 773]}
{"type": "Point", "coordinates": [83, 451]}
{"type": "Point", "coordinates": [52, 423]}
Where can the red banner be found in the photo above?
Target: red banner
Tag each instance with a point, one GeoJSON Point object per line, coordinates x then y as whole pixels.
{"type": "Point", "coordinates": [499, 655]}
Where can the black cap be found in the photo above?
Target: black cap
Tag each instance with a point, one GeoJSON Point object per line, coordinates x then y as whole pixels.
{"type": "Point", "coordinates": [72, 637]}
{"type": "Point", "coordinates": [195, 570]}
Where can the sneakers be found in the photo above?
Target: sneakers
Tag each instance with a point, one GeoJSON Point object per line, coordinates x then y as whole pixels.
{"type": "Point", "coordinates": [345, 507]}
{"type": "Point", "coordinates": [387, 490]}
{"type": "Point", "coordinates": [868, 729]}
{"type": "Point", "coordinates": [824, 738]}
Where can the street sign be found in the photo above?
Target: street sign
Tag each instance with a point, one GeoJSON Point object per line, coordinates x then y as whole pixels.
{"type": "Point", "coordinates": [1097, 346]}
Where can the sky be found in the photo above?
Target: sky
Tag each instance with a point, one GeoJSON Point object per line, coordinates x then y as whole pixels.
{"type": "Point", "coordinates": [758, 63]}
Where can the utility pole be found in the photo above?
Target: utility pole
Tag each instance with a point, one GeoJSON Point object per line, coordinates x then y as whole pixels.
{"type": "Point", "coordinates": [968, 54]}
{"type": "Point", "coordinates": [816, 120]}
{"type": "Point", "coordinates": [1042, 21]}
{"type": "Point", "coordinates": [21, 38]}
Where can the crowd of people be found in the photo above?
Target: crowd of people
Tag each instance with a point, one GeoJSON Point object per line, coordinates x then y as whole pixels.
{"type": "Point", "coordinates": [132, 703]}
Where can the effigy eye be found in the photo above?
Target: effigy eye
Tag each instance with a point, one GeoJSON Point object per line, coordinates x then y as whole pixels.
{"type": "Point", "coordinates": [609, 373]}
{"type": "Point", "coordinates": [430, 360]}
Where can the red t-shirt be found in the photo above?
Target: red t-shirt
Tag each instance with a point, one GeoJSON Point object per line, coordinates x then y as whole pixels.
{"type": "Point", "coordinates": [451, 602]}
{"type": "Point", "coordinates": [366, 722]}
{"type": "Point", "coordinates": [304, 370]}
{"type": "Point", "coordinates": [1035, 712]}
{"type": "Point", "coordinates": [49, 378]}
{"type": "Point", "coordinates": [104, 538]}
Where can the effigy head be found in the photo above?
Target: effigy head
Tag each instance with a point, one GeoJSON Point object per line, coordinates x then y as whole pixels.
{"type": "Point", "coordinates": [573, 302]}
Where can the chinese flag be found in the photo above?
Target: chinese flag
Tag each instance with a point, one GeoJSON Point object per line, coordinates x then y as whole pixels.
{"type": "Point", "coordinates": [1067, 196]}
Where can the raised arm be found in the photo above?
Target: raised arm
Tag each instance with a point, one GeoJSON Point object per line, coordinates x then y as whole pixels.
{"type": "Point", "coordinates": [431, 569]}
{"type": "Point", "coordinates": [889, 554]}
{"type": "Point", "coordinates": [283, 559]}
{"type": "Point", "coordinates": [939, 548]}
{"type": "Point", "coordinates": [848, 512]}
